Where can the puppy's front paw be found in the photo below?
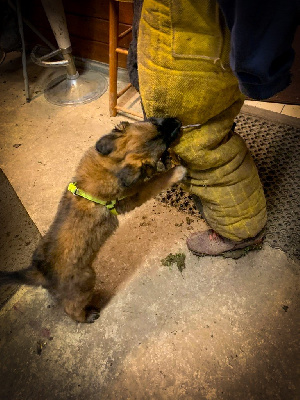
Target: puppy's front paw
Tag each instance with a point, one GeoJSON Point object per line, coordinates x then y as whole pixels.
{"type": "Point", "coordinates": [179, 173]}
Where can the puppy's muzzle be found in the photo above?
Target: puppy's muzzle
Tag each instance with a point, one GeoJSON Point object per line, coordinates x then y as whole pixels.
{"type": "Point", "coordinates": [168, 127]}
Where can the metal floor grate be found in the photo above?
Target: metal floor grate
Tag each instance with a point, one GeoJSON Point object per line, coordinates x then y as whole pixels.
{"type": "Point", "coordinates": [275, 147]}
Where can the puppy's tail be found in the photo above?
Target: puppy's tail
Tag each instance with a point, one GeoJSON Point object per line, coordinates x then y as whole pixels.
{"type": "Point", "coordinates": [29, 276]}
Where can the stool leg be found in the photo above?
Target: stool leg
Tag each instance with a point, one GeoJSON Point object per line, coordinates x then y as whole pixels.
{"type": "Point", "coordinates": [55, 12]}
{"type": "Point", "coordinates": [113, 55]}
{"type": "Point", "coordinates": [24, 61]}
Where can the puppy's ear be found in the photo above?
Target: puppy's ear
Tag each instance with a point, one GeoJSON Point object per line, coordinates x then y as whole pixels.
{"type": "Point", "coordinates": [128, 175]}
{"type": "Point", "coordinates": [106, 144]}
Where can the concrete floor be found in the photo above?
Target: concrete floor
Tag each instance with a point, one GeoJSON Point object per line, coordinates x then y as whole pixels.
{"type": "Point", "coordinates": [221, 329]}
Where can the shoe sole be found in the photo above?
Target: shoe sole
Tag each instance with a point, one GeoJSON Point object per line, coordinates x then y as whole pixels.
{"type": "Point", "coordinates": [235, 254]}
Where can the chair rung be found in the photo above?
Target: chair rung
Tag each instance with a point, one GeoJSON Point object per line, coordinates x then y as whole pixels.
{"type": "Point", "coordinates": [121, 92]}
{"type": "Point", "coordinates": [121, 51]}
{"type": "Point", "coordinates": [129, 111]}
{"type": "Point", "coordinates": [125, 33]}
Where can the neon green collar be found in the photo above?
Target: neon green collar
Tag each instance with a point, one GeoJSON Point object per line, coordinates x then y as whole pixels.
{"type": "Point", "coordinates": [110, 205]}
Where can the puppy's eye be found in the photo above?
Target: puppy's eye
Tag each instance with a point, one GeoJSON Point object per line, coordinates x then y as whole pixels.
{"type": "Point", "coordinates": [129, 175]}
{"type": "Point", "coordinates": [148, 170]}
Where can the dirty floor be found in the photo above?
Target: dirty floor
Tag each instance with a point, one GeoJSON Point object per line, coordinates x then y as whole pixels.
{"type": "Point", "coordinates": [211, 329]}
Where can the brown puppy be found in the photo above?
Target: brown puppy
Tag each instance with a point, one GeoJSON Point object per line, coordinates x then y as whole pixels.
{"type": "Point", "coordinates": [113, 170]}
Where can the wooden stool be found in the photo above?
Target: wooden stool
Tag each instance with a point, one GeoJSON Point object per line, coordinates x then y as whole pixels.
{"type": "Point", "coordinates": [114, 50]}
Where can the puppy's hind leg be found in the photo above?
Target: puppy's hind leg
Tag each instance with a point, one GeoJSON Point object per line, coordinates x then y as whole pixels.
{"type": "Point", "coordinates": [80, 311]}
{"type": "Point", "coordinates": [78, 293]}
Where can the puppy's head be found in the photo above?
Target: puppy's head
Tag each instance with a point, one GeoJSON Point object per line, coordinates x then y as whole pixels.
{"type": "Point", "coordinates": [131, 151]}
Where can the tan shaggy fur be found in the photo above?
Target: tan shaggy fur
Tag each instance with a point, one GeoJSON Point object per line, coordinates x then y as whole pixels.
{"type": "Point", "coordinates": [118, 167]}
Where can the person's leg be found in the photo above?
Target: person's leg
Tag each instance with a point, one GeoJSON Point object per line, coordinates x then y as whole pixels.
{"type": "Point", "coordinates": [183, 65]}
{"type": "Point", "coordinates": [225, 178]}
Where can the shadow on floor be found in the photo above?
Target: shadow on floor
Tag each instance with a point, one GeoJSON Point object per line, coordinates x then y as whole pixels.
{"type": "Point", "coordinates": [18, 235]}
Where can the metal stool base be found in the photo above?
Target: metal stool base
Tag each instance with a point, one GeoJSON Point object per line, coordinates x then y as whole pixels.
{"type": "Point", "coordinates": [64, 91]}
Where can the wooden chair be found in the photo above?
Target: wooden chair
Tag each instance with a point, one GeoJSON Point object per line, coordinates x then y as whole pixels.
{"type": "Point", "coordinates": [114, 50]}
